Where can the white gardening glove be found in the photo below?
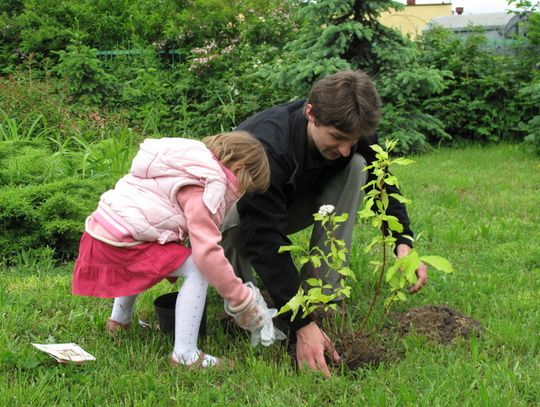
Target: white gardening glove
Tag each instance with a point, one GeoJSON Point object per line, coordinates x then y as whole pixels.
{"type": "Point", "coordinates": [255, 316]}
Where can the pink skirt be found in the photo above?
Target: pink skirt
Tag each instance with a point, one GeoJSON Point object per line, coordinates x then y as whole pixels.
{"type": "Point", "coordinates": [106, 271]}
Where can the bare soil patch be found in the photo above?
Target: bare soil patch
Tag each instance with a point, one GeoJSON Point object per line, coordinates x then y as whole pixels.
{"type": "Point", "coordinates": [439, 323]}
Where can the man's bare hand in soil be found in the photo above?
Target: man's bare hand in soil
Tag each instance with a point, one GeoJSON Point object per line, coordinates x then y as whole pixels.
{"type": "Point", "coordinates": [311, 346]}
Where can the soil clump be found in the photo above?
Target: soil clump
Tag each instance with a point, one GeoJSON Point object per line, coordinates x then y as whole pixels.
{"type": "Point", "coordinates": [439, 323]}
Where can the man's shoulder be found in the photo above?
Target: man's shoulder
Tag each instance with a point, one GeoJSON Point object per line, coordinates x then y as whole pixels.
{"type": "Point", "coordinates": [276, 118]}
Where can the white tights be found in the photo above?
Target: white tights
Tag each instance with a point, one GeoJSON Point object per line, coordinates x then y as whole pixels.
{"type": "Point", "coordinates": [188, 314]}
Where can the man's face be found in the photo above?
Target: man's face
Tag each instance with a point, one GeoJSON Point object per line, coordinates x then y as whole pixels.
{"type": "Point", "coordinates": [331, 142]}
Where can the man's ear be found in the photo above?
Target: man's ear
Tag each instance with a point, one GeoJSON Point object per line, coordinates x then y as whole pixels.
{"type": "Point", "coordinates": [308, 112]}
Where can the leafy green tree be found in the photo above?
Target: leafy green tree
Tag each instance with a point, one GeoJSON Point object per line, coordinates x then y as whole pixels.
{"type": "Point", "coordinates": [336, 35]}
{"type": "Point", "coordinates": [333, 35]}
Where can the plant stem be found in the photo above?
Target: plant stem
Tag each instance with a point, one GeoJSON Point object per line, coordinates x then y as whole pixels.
{"type": "Point", "coordinates": [377, 286]}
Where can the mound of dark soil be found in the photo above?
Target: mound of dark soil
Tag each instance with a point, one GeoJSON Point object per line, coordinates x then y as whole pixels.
{"type": "Point", "coordinates": [358, 351]}
{"type": "Point", "coordinates": [437, 322]}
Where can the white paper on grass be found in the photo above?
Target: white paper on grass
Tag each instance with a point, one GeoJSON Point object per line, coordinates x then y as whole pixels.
{"type": "Point", "coordinates": [65, 352]}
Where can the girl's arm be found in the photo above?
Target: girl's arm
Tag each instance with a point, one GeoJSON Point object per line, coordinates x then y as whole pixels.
{"type": "Point", "coordinates": [204, 236]}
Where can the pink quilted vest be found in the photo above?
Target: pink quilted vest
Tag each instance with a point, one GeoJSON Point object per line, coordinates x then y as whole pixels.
{"type": "Point", "coordinates": [144, 201]}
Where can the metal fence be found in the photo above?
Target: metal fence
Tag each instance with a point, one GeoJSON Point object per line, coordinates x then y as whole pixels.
{"type": "Point", "coordinates": [173, 55]}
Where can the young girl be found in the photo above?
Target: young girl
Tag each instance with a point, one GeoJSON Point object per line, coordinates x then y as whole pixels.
{"type": "Point", "coordinates": [177, 189]}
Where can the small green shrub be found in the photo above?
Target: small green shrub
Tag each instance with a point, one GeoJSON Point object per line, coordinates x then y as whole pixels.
{"type": "Point", "coordinates": [47, 215]}
{"type": "Point", "coordinates": [30, 162]}
{"type": "Point", "coordinates": [88, 83]}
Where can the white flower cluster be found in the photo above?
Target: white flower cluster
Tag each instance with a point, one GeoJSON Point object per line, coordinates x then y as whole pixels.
{"type": "Point", "coordinates": [326, 210]}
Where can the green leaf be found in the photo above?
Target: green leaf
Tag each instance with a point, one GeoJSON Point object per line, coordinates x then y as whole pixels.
{"type": "Point", "coordinates": [392, 270]}
{"type": "Point", "coordinates": [366, 213]}
{"type": "Point", "coordinates": [314, 282]}
{"type": "Point", "coordinates": [394, 282]}
{"type": "Point", "coordinates": [341, 218]}
{"type": "Point", "coordinates": [393, 224]}
{"type": "Point", "coordinates": [347, 272]}
{"type": "Point", "coordinates": [391, 180]}
{"type": "Point", "coordinates": [290, 248]}
{"type": "Point", "coordinates": [331, 306]}
{"type": "Point", "coordinates": [377, 148]}
{"type": "Point", "coordinates": [401, 296]}
{"type": "Point", "coordinates": [440, 263]}
{"type": "Point", "coordinates": [402, 161]}
{"type": "Point", "coordinates": [316, 261]}
{"type": "Point", "coordinates": [401, 198]}
{"type": "Point", "coordinates": [410, 263]}
{"type": "Point", "coordinates": [303, 260]}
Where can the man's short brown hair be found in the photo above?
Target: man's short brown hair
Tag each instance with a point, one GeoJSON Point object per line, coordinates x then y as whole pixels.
{"type": "Point", "coordinates": [348, 101]}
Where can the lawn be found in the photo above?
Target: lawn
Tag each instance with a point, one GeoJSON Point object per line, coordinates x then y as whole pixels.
{"type": "Point", "coordinates": [476, 206]}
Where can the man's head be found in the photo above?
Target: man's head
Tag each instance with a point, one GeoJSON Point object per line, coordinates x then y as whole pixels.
{"type": "Point", "coordinates": [340, 109]}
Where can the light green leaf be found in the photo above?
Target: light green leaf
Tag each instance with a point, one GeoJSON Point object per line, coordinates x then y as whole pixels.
{"type": "Point", "coordinates": [409, 264]}
{"type": "Point", "coordinates": [440, 263]}
{"type": "Point", "coordinates": [291, 248]}
{"type": "Point", "coordinates": [347, 272]}
{"type": "Point", "coordinates": [377, 148]}
{"type": "Point", "coordinates": [402, 161]}
{"type": "Point", "coordinates": [392, 270]}
{"type": "Point", "coordinates": [401, 198]}
{"type": "Point", "coordinates": [341, 218]}
{"type": "Point", "coordinates": [390, 180]}
{"type": "Point", "coordinates": [393, 224]}
{"type": "Point", "coordinates": [314, 282]}
{"type": "Point", "coordinates": [303, 260]}
{"type": "Point", "coordinates": [316, 261]}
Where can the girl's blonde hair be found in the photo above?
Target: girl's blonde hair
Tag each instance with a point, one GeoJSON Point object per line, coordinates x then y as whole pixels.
{"type": "Point", "coordinates": [240, 147]}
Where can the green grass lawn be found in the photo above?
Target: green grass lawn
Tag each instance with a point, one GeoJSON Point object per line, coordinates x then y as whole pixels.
{"type": "Point", "coordinates": [478, 206]}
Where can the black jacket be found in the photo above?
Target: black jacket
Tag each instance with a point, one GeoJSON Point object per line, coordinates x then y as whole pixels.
{"type": "Point", "coordinates": [294, 170]}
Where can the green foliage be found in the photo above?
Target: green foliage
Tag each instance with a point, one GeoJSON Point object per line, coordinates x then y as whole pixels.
{"type": "Point", "coordinates": [403, 272]}
{"type": "Point", "coordinates": [333, 35]}
{"type": "Point", "coordinates": [398, 276]}
{"type": "Point", "coordinates": [46, 215]}
{"type": "Point", "coordinates": [108, 158]}
{"type": "Point", "coordinates": [478, 101]}
{"type": "Point", "coordinates": [11, 130]}
{"type": "Point", "coordinates": [234, 58]}
{"type": "Point", "coordinates": [530, 123]}
{"type": "Point", "coordinates": [30, 104]}
{"type": "Point", "coordinates": [405, 85]}
{"type": "Point", "coordinates": [87, 81]}
{"type": "Point", "coordinates": [320, 295]}
{"type": "Point", "coordinates": [30, 162]}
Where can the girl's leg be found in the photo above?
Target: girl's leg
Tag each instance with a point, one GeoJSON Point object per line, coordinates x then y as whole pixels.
{"type": "Point", "coordinates": [188, 314]}
{"type": "Point", "coordinates": [123, 309]}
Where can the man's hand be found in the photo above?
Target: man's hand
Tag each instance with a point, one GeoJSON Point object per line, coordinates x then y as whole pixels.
{"type": "Point", "coordinates": [311, 345]}
{"type": "Point", "coordinates": [421, 271]}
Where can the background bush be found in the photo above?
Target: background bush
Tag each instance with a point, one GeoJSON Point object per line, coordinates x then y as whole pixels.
{"type": "Point", "coordinates": [71, 119]}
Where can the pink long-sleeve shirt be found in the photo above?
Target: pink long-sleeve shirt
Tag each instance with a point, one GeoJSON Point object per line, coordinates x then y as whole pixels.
{"type": "Point", "coordinates": [204, 236]}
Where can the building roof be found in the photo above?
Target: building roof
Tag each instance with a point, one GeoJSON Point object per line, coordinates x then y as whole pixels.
{"type": "Point", "coordinates": [489, 21]}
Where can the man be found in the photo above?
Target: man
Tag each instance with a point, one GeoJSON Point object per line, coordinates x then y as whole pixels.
{"type": "Point", "coordinates": [317, 149]}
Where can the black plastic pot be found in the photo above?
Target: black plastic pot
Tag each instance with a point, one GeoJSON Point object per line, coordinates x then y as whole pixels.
{"type": "Point", "coordinates": [164, 306]}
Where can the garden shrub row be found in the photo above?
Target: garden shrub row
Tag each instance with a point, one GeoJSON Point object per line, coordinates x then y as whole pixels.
{"type": "Point", "coordinates": [71, 119]}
